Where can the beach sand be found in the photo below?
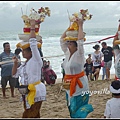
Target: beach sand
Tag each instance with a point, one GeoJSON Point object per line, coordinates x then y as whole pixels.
{"type": "Point", "coordinates": [55, 105]}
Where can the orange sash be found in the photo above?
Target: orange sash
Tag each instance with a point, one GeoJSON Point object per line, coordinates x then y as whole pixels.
{"type": "Point", "coordinates": [74, 80]}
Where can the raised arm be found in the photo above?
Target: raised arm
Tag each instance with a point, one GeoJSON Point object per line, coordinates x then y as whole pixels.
{"type": "Point", "coordinates": [32, 29]}
{"type": "Point", "coordinates": [115, 42]}
{"type": "Point", "coordinates": [63, 43]}
{"type": "Point", "coordinates": [15, 65]}
{"type": "Point", "coordinates": [63, 35]}
{"type": "Point", "coordinates": [80, 31]}
{"type": "Point", "coordinates": [81, 35]}
{"type": "Point", "coordinates": [117, 37]}
{"type": "Point", "coordinates": [33, 42]}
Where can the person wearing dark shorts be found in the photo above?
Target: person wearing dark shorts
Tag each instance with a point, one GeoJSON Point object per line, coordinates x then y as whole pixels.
{"type": "Point", "coordinates": [96, 58]}
{"type": "Point", "coordinates": [6, 69]}
{"type": "Point", "coordinates": [108, 54]}
{"type": "Point", "coordinates": [5, 79]}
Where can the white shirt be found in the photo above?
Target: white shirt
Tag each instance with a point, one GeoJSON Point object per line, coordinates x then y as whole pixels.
{"type": "Point", "coordinates": [75, 65]}
{"type": "Point", "coordinates": [31, 71]}
{"type": "Point", "coordinates": [96, 58]}
{"type": "Point", "coordinates": [112, 109]}
{"type": "Point", "coordinates": [117, 60]}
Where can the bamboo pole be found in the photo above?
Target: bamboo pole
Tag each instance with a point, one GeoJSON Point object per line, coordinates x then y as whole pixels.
{"type": "Point", "coordinates": [5, 62]}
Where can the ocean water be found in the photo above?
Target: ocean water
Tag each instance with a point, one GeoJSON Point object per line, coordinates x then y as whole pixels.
{"type": "Point", "coordinates": [51, 46]}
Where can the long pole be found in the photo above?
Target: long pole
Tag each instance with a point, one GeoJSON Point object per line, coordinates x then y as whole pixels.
{"type": "Point", "coordinates": [100, 40]}
{"type": "Point", "coordinates": [68, 16]}
{"type": "Point", "coordinates": [21, 11]}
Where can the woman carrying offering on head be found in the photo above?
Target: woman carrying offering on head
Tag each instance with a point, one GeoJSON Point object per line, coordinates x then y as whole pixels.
{"type": "Point", "coordinates": [30, 73]}
{"type": "Point", "coordinates": [73, 65]}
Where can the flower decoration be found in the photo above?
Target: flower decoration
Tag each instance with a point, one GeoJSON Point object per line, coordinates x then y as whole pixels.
{"type": "Point", "coordinates": [39, 16]}
{"type": "Point", "coordinates": [72, 31]}
{"type": "Point", "coordinates": [83, 14]}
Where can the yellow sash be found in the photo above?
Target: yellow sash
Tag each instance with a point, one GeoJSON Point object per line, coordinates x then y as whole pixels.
{"type": "Point", "coordinates": [32, 92]}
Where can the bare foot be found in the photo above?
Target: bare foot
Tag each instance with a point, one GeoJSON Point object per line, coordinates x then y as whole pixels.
{"type": "Point", "coordinates": [12, 96]}
{"type": "Point", "coordinates": [5, 97]}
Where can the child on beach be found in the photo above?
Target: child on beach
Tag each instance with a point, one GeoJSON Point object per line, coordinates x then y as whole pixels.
{"type": "Point", "coordinates": [88, 68]}
{"type": "Point", "coordinates": [89, 57]}
{"type": "Point", "coordinates": [112, 109]}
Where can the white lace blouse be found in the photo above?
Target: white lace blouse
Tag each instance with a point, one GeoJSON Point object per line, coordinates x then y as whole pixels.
{"type": "Point", "coordinates": [75, 65]}
{"type": "Point", "coordinates": [30, 71]}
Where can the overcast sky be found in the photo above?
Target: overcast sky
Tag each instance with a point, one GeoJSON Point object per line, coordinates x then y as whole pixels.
{"type": "Point", "coordinates": [105, 14]}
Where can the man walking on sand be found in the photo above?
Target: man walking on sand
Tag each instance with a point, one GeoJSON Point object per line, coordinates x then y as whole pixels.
{"type": "Point", "coordinates": [108, 54]}
{"type": "Point", "coordinates": [6, 69]}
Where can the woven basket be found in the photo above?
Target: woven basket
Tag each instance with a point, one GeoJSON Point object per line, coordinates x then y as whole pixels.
{"type": "Point", "coordinates": [66, 85]}
{"type": "Point", "coordinates": [23, 89]}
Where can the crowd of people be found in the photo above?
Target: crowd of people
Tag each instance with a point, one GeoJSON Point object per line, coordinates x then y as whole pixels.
{"type": "Point", "coordinates": [75, 69]}
{"type": "Point", "coordinates": [101, 59]}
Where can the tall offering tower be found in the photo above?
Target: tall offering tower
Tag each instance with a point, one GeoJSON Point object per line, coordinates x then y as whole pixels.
{"type": "Point", "coordinates": [39, 17]}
